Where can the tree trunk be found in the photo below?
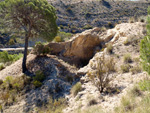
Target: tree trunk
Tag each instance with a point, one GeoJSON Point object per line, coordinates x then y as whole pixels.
{"type": "Point", "coordinates": [24, 67]}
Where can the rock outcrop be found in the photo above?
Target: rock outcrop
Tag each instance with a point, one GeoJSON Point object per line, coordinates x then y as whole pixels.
{"type": "Point", "coordinates": [80, 47]}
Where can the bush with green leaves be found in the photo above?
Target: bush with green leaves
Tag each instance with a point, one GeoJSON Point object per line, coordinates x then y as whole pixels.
{"type": "Point", "coordinates": [2, 66]}
{"type": "Point", "coordinates": [41, 49]}
{"type": "Point", "coordinates": [125, 68]}
{"type": "Point", "coordinates": [64, 36]}
{"type": "Point", "coordinates": [144, 85]}
{"type": "Point", "coordinates": [38, 78]}
{"type": "Point", "coordinates": [5, 57]}
{"type": "Point", "coordinates": [37, 83]}
{"type": "Point", "coordinates": [58, 39]}
{"type": "Point", "coordinates": [76, 88]}
{"type": "Point", "coordinates": [11, 42]}
{"type": "Point", "coordinates": [145, 47]}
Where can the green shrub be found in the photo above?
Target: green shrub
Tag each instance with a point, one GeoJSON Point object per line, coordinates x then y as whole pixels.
{"type": "Point", "coordinates": [144, 85]}
{"type": "Point", "coordinates": [39, 76]}
{"type": "Point", "coordinates": [8, 80]}
{"type": "Point", "coordinates": [58, 39]}
{"type": "Point", "coordinates": [41, 49]}
{"type": "Point", "coordinates": [38, 79]}
{"type": "Point", "coordinates": [1, 81]}
{"type": "Point", "coordinates": [127, 58]}
{"type": "Point", "coordinates": [37, 83]}
{"type": "Point", "coordinates": [125, 68]}
{"type": "Point", "coordinates": [87, 26]}
{"type": "Point", "coordinates": [145, 48]}
{"type": "Point", "coordinates": [11, 42]}
{"type": "Point", "coordinates": [1, 107]}
{"type": "Point", "coordinates": [5, 57]}
{"type": "Point", "coordinates": [76, 88]}
{"type": "Point", "coordinates": [64, 36]}
{"type": "Point", "coordinates": [2, 66]}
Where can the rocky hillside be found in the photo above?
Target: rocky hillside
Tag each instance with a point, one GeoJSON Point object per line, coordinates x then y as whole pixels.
{"type": "Point", "coordinates": [120, 43]}
{"type": "Point", "coordinates": [77, 15]}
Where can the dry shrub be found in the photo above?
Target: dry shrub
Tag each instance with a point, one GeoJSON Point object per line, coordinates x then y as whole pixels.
{"type": "Point", "coordinates": [136, 69]}
{"type": "Point", "coordinates": [103, 74]}
{"type": "Point", "coordinates": [127, 58]}
{"type": "Point", "coordinates": [125, 68]}
{"type": "Point", "coordinates": [110, 48]}
{"type": "Point", "coordinates": [92, 102]}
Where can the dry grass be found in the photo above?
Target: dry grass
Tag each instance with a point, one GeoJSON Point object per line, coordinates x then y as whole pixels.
{"type": "Point", "coordinates": [127, 58]}
{"type": "Point", "coordinates": [125, 68]}
{"type": "Point", "coordinates": [76, 88]}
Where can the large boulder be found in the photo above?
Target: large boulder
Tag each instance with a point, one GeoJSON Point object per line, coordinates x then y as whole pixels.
{"type": "Point", "coordinates": [81, 46]}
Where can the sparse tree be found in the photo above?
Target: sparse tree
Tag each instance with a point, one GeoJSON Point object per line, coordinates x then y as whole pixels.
{"type": "Point", "coordinates": [34, 17]}
{"type": "Point", "coordinates": [102, 76]}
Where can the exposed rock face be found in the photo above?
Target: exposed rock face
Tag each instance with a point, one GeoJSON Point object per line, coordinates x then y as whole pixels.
{"type": "Point", "coordinates": [82, 46]}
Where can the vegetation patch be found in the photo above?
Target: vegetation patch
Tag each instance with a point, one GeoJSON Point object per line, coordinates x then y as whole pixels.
{"type": "Point", "coordinates": [125, 68]}
{"type": "Point", "coordinates": [132, 104]}
{"type": "Point", "coordinates": [127, 58]}
{"type": "Point", "coordinates": [41, 49]}
{"type": "Point", "coordinates": [110, 48]}
{"type": "Point", "coordinates": [136, 69]}
{"type": "Point", "coordinates": [5, 57]}
{"type": "Point", "coordinates": [76, 88]}
{"type": "Point", "coordinates": [11, 87]}
{"type": "Point", "coordinates": [144, 85]}
{"type": "Point", "coordinates": [55, 106]}
{"type": "Point", "coordinates": [103, 74]}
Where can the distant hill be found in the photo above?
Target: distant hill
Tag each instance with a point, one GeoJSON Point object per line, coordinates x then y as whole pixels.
{"type": "Point", "coordinates": [77, 15]}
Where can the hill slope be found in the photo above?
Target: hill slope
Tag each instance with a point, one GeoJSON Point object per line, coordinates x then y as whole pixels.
{"type": "Point", "coordinates": [60, 76]}
{"type": "Point", "coordinates": [78, 15]}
